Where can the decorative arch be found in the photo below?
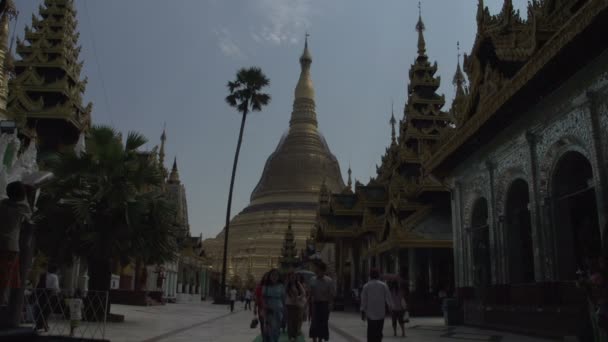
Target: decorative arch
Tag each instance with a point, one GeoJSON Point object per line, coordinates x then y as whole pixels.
{"type": "Point", "coordinates": [552, 157]}
{"type": "Point", "coordinates": [471, 198]}
{"type": "Point", "coordinates": [517, 231]}
{"type": "Point", "coordinates": [504, 183]}
{"type": "Point", "coordinates": [574, 212]}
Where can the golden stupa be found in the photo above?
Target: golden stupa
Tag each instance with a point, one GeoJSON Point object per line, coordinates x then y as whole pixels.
{"type": "Point", "coordinates": [288, 190]}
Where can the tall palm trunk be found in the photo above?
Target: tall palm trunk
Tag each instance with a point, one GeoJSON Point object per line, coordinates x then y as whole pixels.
{"type": "Point", "coordinates": [227, 229]}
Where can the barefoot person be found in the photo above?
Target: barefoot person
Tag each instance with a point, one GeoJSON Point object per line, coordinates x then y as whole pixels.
{"type": "Point", "coordinates": [322, 293]}
{"type": "Point", "coordinates": [375, 297]}
{"type": "Point", "coordinates": [295, 301]}
{"type": "Point", "coordinates": [399, 307]}
{"type": "Point", "coordinates": [274, 295]}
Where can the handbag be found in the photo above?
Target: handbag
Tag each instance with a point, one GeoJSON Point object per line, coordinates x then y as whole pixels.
{"type": "Point", "coordinates": [406, 316]}
{"type": "Point", "coordinates": [254, 323]}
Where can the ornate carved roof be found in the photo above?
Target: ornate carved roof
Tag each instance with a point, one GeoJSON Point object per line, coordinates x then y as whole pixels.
{"type": "Point", "coordinates": [47, 84]}
{"type": "Point", "coordinates": [508, 52]}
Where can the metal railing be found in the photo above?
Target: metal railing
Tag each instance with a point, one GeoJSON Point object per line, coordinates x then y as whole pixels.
{"type": "Point", "coordinates": [48, 312]}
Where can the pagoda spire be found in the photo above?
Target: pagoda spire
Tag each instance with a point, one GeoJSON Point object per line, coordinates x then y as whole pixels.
{"type": "Point", "coordinates": [423, 120]}
{"type": "Point", "coordinates": [289, 255]}
{"type": "Point", "coordinates": [161, 153]}
{"type": "Point", "coordinates": [393, 122]}
{"type": "Point", "coordinates": [174, 176]}
{"type": "Point", "coordinates": [305, 89]}
{"type": "Point", "coordinates": [420, 28]}
{"type": "Point", "coordinates": [304, 102]}
{"type": "Point", "coordinates": [46, 92]}
{"type": "Point", "coordinates": [350, 182]}
{"type": "Point", "coordinates": [458, 76]}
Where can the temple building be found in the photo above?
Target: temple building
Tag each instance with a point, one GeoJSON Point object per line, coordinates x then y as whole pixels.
{"type": "Point", "coordinates": [289, 187]}
{"type": "Point", "coordinates": [400, 221]}
{"type": "Point", "coordinates": [45, 95]}
{"type": "Point", "coordinates": [7, 12]}
{"type": "Point", "coordinates": [526, 165]}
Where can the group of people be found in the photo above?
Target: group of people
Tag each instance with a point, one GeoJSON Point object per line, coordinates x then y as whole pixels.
{"type": "Point", "coordinates": [283, 304]}
{"type": "Point", "coordinates": [377, 300]}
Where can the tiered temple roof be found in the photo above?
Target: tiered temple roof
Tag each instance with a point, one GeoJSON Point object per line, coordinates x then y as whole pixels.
{"type": "Point", "coordinates": [512, 63]}
{"type": "Point", "coordinates": [393, 203]}
{"type": "Point", "coordinates": [47, 90]}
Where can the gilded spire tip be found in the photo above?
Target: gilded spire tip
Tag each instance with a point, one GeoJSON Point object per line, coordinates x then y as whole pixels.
{"type": "Point", "coordinates": [420, 28]}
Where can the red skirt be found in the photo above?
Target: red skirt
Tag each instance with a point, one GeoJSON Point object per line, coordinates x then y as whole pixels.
{"type": "Point", "coordinates": [9, 270]}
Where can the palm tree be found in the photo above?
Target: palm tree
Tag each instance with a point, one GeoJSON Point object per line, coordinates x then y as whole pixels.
{"type": "Point", "coordinates": [245, 95]}
{"type": "Point", "coordinates": [107, 206]}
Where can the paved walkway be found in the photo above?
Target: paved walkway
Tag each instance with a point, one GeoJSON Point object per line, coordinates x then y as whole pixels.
{"type": "Point", "coordinates": [214, 323]}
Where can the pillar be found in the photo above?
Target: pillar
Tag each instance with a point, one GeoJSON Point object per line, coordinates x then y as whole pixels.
{"type": "Point", "coordinates": [496, 237]}
{"type": "Point", "coordinates": [539, 235]}
{"type": "Point", "coordinates": [397, 263]}
{"type": "Point", "coordinates": [430, 268]}
{"type": "Point", "coordinates": [598, 159]}
{"type": "Point", "coordinates": [412, 269]}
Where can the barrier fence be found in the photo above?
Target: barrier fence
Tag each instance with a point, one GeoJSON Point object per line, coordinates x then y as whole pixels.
{"type": "Point", "coordinates": [61, 313]}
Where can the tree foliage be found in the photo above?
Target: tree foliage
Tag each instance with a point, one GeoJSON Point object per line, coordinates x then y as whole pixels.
{"type": "Point", "coordinates": [107, 204]}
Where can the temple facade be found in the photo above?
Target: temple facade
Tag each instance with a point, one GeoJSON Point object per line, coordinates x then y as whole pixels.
{"type": "Point", "coordinates": [288, 188]}
{"type": "Point", "coordinates": [526, 166]}
{"type": "Point", "coordinates": [400, 221]}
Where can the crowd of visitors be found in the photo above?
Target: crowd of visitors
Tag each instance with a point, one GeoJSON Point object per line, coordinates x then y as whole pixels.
{"type": "Point", "coordinates": [283, 303]}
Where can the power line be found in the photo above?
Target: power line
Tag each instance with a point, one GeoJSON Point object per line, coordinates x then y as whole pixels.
{"type": "Point", "coordinates": [100, 74]}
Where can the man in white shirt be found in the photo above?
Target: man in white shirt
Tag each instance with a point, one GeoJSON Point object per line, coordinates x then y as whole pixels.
{"type": "Point", "coordinates": [375, 297]}
{"type": "Point", "coordinates": [232, 299]}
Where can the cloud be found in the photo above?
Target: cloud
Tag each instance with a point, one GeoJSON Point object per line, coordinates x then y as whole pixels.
{"type": "Point", "coordinates": [285, 21]}
{"type": "Point", "coordinates": [227, 44]}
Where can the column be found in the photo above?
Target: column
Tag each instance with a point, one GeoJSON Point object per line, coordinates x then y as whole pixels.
{"type": "Point", "coordinates": [397, 263]}
{"type": "Point", "coordinates": [539, 235]}
{"type": "Point", "coordinates": [598, 158]}
{"type": "Point", "coordinates": [430, 268]}
{"type": "Point", "coordinates": [459, 276]}
{"type": "Point", "coordinates": [412, 269]}
{"type": "Point", "coordinates": [496, 237]}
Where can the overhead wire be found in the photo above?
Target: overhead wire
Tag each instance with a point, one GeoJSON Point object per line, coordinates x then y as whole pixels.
{"type": "Point", "coordinates": [100, 74]}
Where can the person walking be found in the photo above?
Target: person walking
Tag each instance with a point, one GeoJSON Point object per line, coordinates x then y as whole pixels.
{"type": "Point", "coordinates": [323, 291]}
{"type": "Point", "coordinates": [248, 296]}
{"type": "Point", "coordinates": [295, 301]}
{"type": "Point", "coordinates": [399, 307]}
{"type": "Point", "coordinates": [274, 296]}
{"type": "Point", "coordinates": [232, 298]}
{"type": "Point", "coordinates": [258, 307]}
{"type": "Point", "coordinates": [375, 297]}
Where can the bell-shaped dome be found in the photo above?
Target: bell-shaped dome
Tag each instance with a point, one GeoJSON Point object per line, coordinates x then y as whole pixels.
{"type": "Point", "coordinates": [302, 160]}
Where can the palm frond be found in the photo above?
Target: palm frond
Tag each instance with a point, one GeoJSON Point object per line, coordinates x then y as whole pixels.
{"type": "Point", "coordinates": [134, 141]}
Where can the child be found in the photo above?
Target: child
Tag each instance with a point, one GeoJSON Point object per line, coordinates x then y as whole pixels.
{"type": "Point", "coordinates": [75, 305]}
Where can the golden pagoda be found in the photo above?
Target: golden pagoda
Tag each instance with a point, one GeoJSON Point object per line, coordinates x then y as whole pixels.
{"type": "Point", "coordinates": [289, 187]}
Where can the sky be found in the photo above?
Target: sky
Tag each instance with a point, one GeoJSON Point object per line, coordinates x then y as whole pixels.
{"type": "Point", "coordinates": [151, 63]}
